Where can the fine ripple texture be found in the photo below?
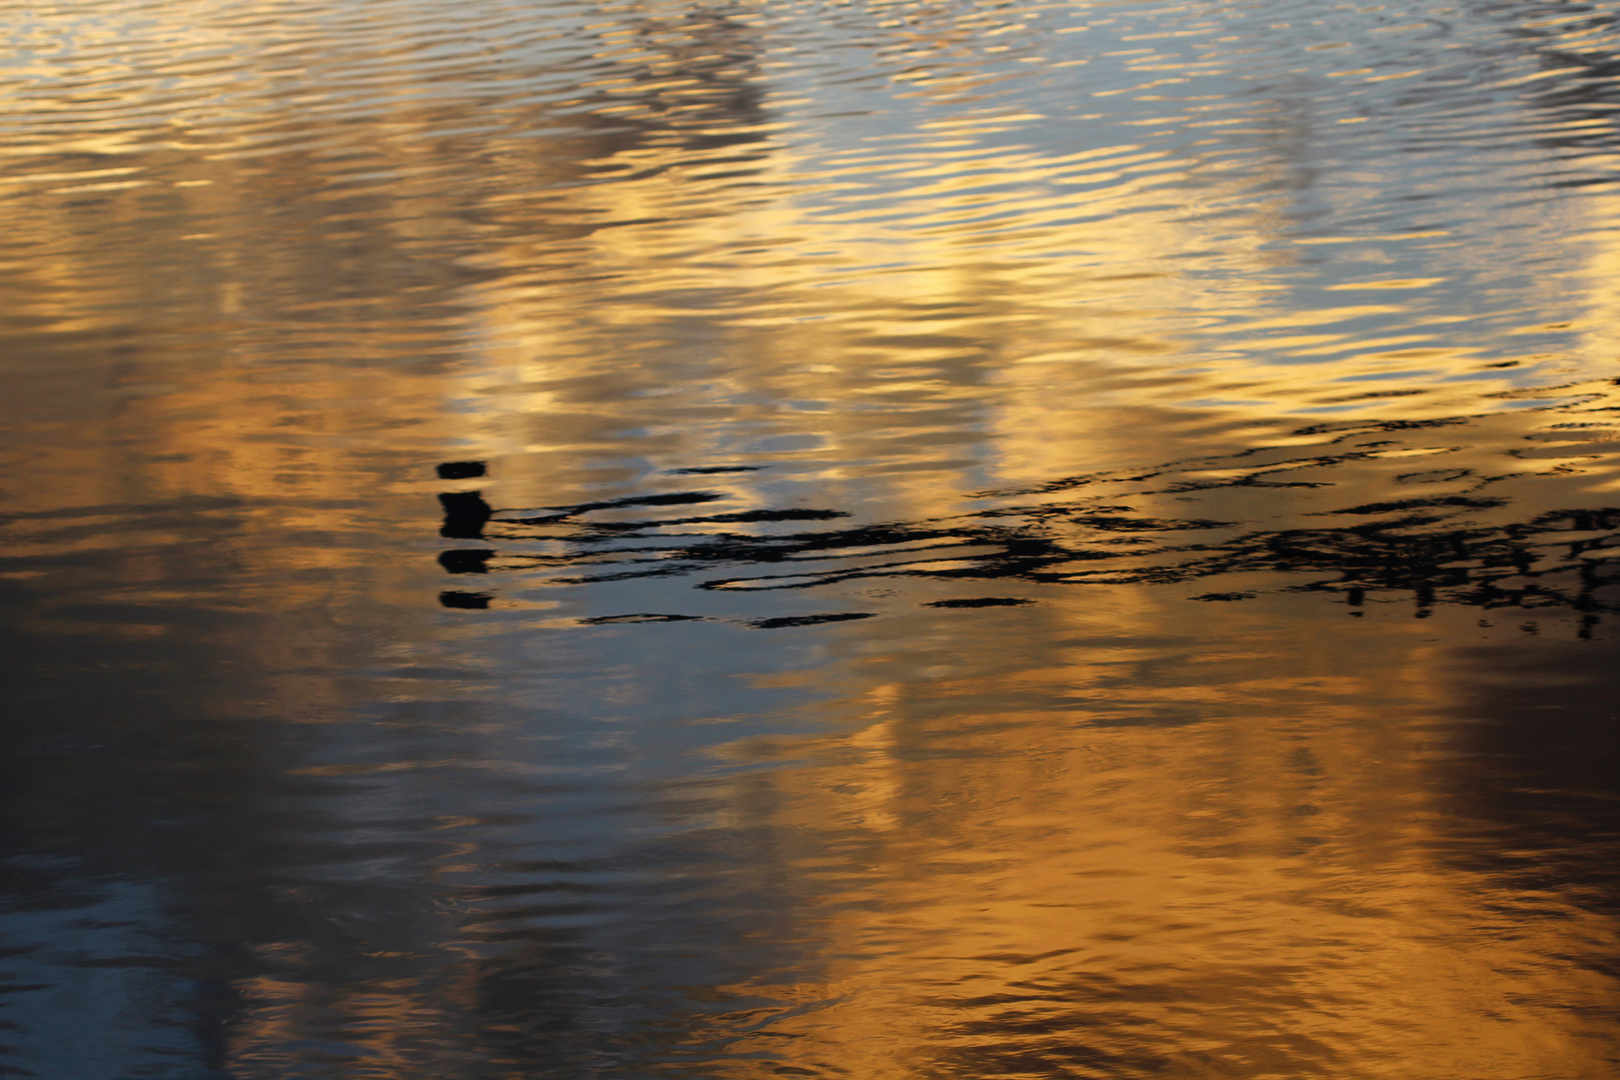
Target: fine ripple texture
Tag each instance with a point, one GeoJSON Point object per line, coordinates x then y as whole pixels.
{"type": "Point", "coordinates": [880, 539]}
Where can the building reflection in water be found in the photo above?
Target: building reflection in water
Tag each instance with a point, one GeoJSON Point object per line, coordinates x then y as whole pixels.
{"type": "Point", "coordinates": [1007, 541]}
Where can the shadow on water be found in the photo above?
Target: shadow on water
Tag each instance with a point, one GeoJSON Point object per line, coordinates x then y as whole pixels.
{"type": "Point", "coordinates": [1422, 550]}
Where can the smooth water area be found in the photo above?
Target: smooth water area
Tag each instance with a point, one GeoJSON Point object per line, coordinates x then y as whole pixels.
{"type": "Point", "coordinates": [880, 539]}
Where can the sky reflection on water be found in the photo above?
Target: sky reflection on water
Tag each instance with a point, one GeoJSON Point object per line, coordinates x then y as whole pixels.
{"type": "Point", "coordinates": [814, 539]}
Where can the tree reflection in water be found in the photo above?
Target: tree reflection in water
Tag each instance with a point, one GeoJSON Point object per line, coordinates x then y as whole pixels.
{"type": "Point", "coordinates": [1290, 755]}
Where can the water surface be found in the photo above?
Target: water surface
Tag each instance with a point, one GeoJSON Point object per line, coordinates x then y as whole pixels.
{"type": "Point", "coordinates": [880, 540]}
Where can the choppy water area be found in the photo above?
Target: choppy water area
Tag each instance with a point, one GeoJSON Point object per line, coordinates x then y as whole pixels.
{"type": "Point", "coordinates": [877, 540]}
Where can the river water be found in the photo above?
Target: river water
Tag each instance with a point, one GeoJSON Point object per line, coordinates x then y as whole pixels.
{"type": "Point", "coordinates": [881, 539]}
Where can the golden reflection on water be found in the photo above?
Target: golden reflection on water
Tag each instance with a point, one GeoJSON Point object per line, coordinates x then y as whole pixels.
{"type": "Point", "coordinates": [1021, 892]}
{"type": "Point", "coordinates": [270, 264]}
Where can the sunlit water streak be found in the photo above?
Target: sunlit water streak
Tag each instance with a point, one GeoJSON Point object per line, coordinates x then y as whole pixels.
{"type": "Point", "coordinates": [814, 539]}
